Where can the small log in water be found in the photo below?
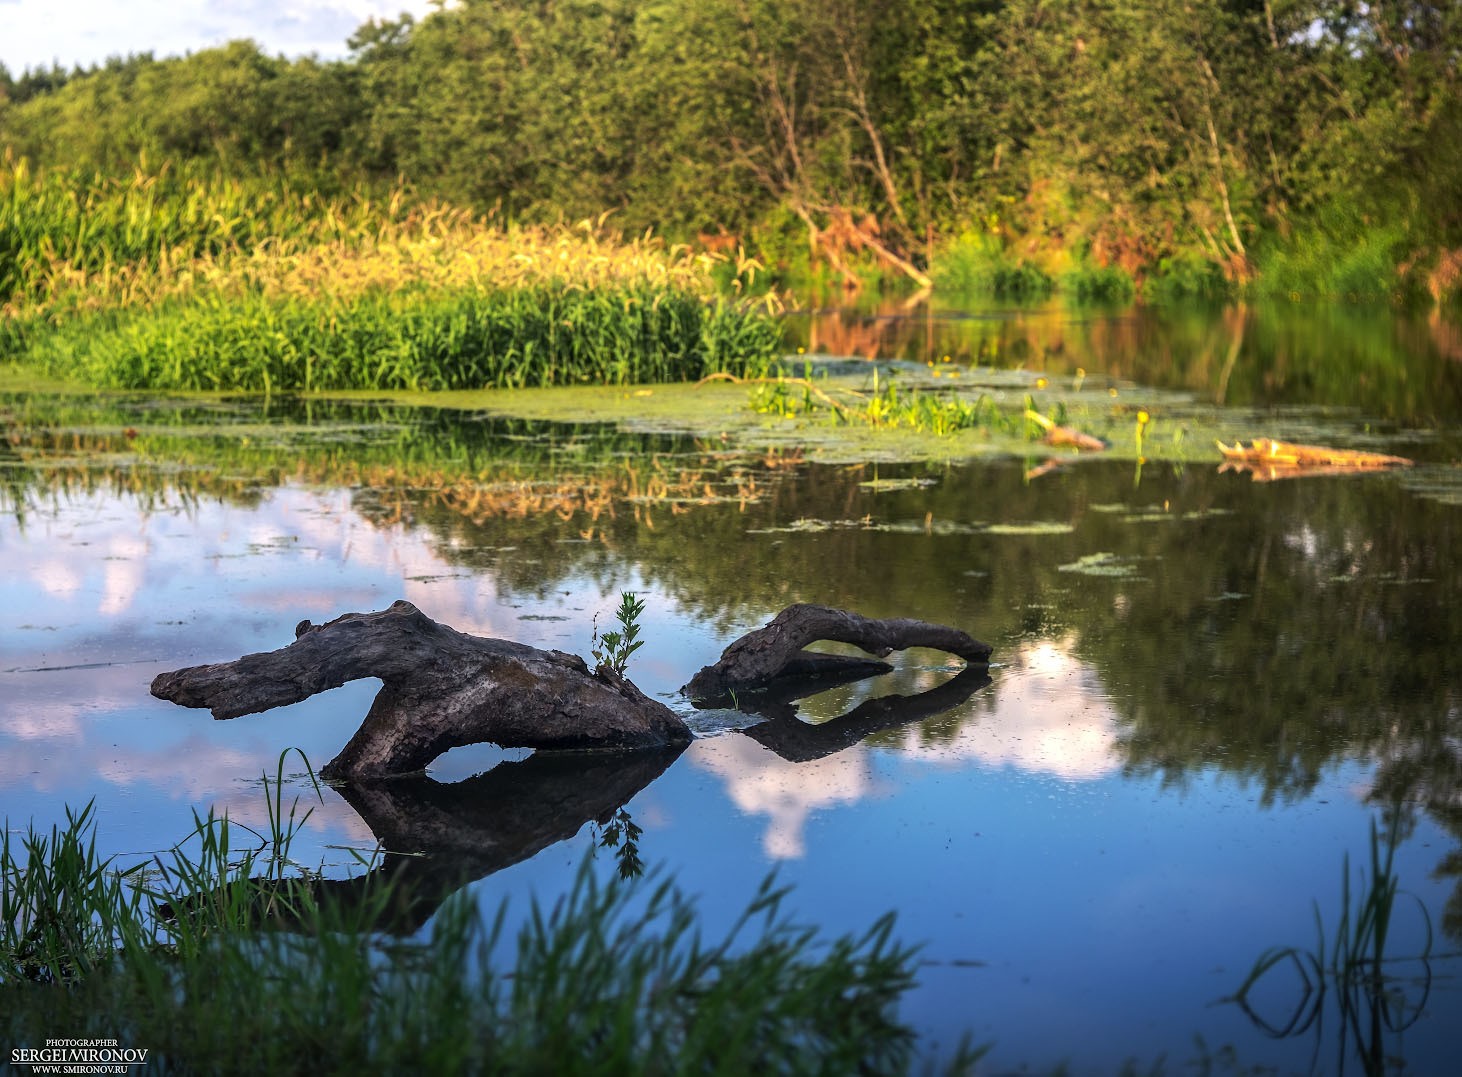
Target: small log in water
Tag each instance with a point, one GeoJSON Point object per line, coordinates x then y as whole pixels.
{"type": "Point", "coordinates": [442, 689]}
{"type": "Point", "coordinates": [775, 650]}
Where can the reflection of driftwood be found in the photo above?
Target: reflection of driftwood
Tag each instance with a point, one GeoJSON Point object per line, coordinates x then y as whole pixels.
{"type": "Point", "coordinates": [470, 829]}
{"type": "Point", "coordinates": [800, 742]}
{"type": "Point", "coordinates": [758, 658]}
{"type": "Point", "coordinates": [442, 689]}
{"type": "Point", "coordinates": [437, 838]}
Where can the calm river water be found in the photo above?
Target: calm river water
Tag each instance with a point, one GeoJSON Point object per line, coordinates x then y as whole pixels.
{"type": "Point", "coordinates": [1206, 692]}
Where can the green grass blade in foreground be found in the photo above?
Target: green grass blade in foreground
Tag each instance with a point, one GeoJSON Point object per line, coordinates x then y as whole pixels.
{"type": "Point", "coordinates": [613, 977]}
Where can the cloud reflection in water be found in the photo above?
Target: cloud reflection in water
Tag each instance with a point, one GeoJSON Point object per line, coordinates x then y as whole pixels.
{"type": "Point", "coordinates": [1045, 714]}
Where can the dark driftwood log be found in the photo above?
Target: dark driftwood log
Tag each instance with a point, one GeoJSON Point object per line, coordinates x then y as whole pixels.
{"type": "Point", "coordinates": [758, 658]}
{"type": "Point", "coordinates": [442, 689]}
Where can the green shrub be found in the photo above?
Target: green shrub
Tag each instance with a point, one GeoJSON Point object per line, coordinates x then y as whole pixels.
{"type": "Point", "coordinates": [1185, 276]}
{"type": "Point", "coordinates": [976, 263]}
{"type": "Point", "coordinates": [1343, 254]}
{"type": "Point", "coordinates": [1108, 284]}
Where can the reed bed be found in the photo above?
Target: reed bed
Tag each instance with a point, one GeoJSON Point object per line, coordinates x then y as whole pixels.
{"type": "Point", "coordinates": [187, 283]}
{"type": "Point", "coordinates": [501, 338]}
{"type": "Point", "coordinates": [60, 230]}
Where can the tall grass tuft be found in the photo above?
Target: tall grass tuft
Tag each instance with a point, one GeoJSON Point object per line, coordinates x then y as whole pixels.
{"type": "Point", "coordinates": [611, 977]}
{"type": "Point", "coordinates": [1343, 255]}
{"type": "Point", "coordinates": [1097, 283]}
{"type": "Point", "coordinates": [59, 227]}
{"type": "Point", "coordinates": [64, 911]}
{"type": "Point", "coordinates": [537, 335]}
{"type": "Point", "coordinates": [885, 406]}
{"type": "Point", "coordinates": [187, 282]}
{"type": "Point", "coordinates": [977, 263]}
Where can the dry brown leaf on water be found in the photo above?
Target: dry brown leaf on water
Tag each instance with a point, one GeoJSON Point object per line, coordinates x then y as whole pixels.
{"type": "Point", "coordinates": [1269, 459]}
{"type": "Point", "coordinates": [1065, 435]}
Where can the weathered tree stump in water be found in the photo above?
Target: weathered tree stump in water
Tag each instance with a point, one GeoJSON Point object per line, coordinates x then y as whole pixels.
{"type": "Point", "coordinates": [443, 689]}
{"type": "Point", "coordinates": [774, 651]}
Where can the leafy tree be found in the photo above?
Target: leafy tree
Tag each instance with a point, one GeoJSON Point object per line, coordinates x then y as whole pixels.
{"type": "Point", "coordinates": [1234, 132]}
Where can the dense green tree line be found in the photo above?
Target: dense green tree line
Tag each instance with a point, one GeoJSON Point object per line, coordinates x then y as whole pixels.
{"type": "Point", "coordinates": [1316, 144]}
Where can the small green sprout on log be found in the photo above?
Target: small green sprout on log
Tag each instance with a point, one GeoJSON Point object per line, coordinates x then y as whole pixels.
{"type": "Point", "coordinates": [612, 649]}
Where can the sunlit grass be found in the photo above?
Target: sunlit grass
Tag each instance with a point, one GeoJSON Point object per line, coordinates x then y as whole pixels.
{"type": "Point", "coordinates": [539, 335]}
{"type": "Point", "coordinates": [193, 283]}
{"type": "Point", "coordinates": [884, 405]}
{"type": "Point", "coordinates": [977, 263]}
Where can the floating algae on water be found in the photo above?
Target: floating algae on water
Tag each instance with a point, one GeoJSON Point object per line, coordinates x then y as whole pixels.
{"type": "Point", "coordinates": [1163, 516]}
{"type": "Point", "coordinates": [1102, 564]}
{"type": "Point", "coordinates": [879, 485]}
{"type": "Point", "coordinates": [898, 527]}
{"type": "Point", "coordinates": [1035, 527]}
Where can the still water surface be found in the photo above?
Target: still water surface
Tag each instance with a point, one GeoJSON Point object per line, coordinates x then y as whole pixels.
{"type": "Point", "coordinates": [1205, 689]}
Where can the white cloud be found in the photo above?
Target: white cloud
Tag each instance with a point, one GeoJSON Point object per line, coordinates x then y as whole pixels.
{"type": "Point", "coordinates": [38, 33]}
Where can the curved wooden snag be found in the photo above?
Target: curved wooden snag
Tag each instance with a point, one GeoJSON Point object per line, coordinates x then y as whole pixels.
{"type": "Point", "coordinates": [758, 658]}
{"type": "Point", "coordinates": [443, 689]}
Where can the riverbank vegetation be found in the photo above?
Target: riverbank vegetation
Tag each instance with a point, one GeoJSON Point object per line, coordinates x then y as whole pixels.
{"type": "Point", "coordinates": [613, 977]}
{"type": "Point", "coordinates": [1291, 147]}
{"type": "Point", "coordinates": [197, 281]}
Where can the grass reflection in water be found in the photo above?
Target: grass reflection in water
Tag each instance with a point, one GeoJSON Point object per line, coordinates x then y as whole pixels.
{"type": "Point", "coordinates": [1374, 995]}
{"type": "Point", "coordinates": [614, 977]}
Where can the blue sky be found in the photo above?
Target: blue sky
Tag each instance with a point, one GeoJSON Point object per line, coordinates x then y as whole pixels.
{"type": "Point", "coordinates": [35, 33]}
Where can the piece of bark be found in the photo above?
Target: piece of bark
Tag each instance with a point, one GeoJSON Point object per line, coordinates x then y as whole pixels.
{"type": "Point", "coordinates": [442, 689]}
{"type": "Point", "coordinates": [759, 657]}
{"type": "Point", "coordinates": [1067, 435]}
{"type": "Point", "coordinates": [1266, 452]}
